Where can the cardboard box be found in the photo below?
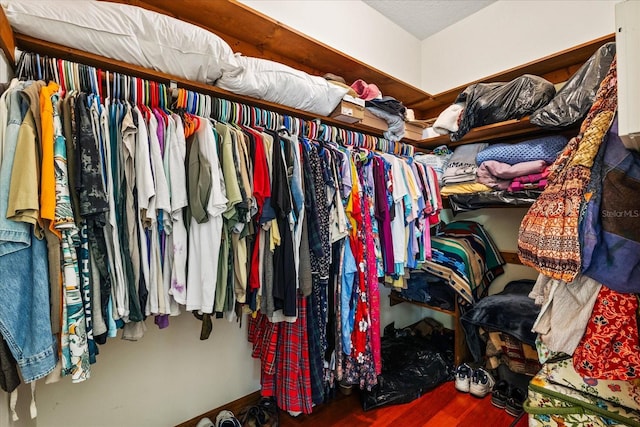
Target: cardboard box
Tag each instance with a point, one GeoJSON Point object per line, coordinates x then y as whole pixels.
{"type": "Point", "coordinates": [374, 121]}
{"type": "Point", "coordinates": [413, 132]}
{"type": "Point", "coordinates": [350, 110]}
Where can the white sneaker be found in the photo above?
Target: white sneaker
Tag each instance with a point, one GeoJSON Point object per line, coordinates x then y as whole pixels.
{"type": "Point", "coordinates": [205, 422]}
{"type": "Point", "coordinates": [482, 383]}
{"type": "Point", "coordinates": [463, 377]}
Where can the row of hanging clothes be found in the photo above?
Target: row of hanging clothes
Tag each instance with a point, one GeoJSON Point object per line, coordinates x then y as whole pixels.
{"type": "Point", "coordinates": [126, 199]}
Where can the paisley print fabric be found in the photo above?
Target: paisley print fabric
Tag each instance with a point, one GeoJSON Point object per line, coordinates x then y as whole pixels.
{"type": "Point", "coordinates": [609, 348]}
{"type": "Point", "coordinates": [548, 237]}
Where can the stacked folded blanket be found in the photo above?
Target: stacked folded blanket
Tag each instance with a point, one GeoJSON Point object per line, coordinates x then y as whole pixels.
{"type": "Point", "coordinates": [501, 167]}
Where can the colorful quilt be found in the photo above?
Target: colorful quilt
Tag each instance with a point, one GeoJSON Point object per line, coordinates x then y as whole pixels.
{"type": "Point", "coordinates": [551, 404]}
{"type": "Point", "coordinates": [625, 393]}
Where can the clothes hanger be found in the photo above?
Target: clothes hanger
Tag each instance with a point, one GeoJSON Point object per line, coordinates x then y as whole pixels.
{"type": "Point", "coordinates": [82, 78]}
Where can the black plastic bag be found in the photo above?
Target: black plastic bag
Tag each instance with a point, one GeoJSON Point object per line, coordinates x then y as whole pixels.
{"type": "Point", "coordinates": [411, 366]}
{"type": "Point", "coordinates": [572, 103]}
{"type": "Point", "coordinates": [486, 199]}
{"type": "Point", "coordinates": [487, 103]}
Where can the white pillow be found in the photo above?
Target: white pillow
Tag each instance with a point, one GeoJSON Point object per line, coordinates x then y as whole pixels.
{"type": "Point", "coordinates": [126, 33]}
{"type": "Point", "coordinates": [278, 83]}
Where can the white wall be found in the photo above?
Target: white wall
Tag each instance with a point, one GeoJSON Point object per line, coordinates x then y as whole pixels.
{"type": "Point", "coordinates": [507, 34]}
{"type": "Point", "coordinates": [168, 377]}
{"type": "Point", "coordinates": [351, 27]}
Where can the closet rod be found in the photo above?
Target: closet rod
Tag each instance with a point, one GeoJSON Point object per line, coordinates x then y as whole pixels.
{"type": "Point", "coordinates": [43, 47]}
{"type": "Point", "coordinates": [40, 66]}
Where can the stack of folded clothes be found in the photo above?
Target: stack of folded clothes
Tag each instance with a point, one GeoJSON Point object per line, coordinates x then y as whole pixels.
{"type": "Point", "coordinates": [518, 167]}
{"type": "Point", "coordinates": [460, 174]}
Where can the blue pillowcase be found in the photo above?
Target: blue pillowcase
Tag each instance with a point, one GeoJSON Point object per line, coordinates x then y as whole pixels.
{"type": "Point", "coordinates": [546, 148]}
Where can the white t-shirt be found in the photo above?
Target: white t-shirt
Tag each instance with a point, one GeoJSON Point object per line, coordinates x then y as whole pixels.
{"type": "Point", "coordinates": [178, 185]}
{"type": "Point", "coordinates": [158, 296]}
{"type": "Point", "coordinates": [146, 196]}
{"type": "Point", "coordinates": [205, 238]}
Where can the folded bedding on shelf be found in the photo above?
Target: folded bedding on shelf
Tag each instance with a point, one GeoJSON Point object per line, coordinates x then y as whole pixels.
{"type": "Point", "coordinates": [520, 186]}
{"type": "Point", "coordinates": [126, 33]}
{"type": "Point", "coordinates": [447, 121]}
{"type": "Point", "coordinates": [280, 84]}
{"type": "Point", "coordinates": [545, 148]}
{"type": "Point", "coordinates": [507, 171]}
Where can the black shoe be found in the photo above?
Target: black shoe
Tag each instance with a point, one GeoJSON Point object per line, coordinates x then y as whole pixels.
{"type": "Point", "coordinates": [500, 394]}
{"type": "Point", "coordinates": [515, 401]}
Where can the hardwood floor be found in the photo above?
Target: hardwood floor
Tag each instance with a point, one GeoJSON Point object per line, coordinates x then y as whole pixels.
{"type": "Point", "coordinates": [441, 407]}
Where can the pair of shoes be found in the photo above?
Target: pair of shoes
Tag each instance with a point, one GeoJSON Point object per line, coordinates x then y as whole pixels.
{"type": "Point", "coordinates": [463, 377]}
{"type": "Point", "coordinates": [515, 401]}
{"type": "Point", "coordinates": [478, 382]}
{"type": "Point", "coordinates": [227, 419]}
{"type": "Point", "coordinates": [500, 394]}
{"type": "Point", "coordinates": [263, 414]}
{"type": "Point", "coordinates": [508, 398]}
{"type": "Point", "coordinates": [482, 383]}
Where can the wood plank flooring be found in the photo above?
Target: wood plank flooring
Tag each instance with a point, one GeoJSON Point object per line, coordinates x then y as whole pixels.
{"type": "Point", "coordinates": [441, 407]}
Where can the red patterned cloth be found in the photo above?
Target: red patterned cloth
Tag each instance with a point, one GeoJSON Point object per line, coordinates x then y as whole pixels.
{"type": "Point", "coordinates": [609, 348]}
{"type": "Point", "coordinates": [283, 349]}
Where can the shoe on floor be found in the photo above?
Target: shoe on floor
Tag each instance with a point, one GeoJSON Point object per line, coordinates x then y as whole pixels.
{"type": "Point", "coordinates": [500, 394]}
{"type": "Point", "coordinates": [481, 383]}
{"type": "Point", "coordinates": [463, 377]}
{"type": "Point", "coordinates": [515, 401]}
{"type": "Point", "coordinates": [205, 422]}
{"type": "Point", "coordinates": [227, 419]}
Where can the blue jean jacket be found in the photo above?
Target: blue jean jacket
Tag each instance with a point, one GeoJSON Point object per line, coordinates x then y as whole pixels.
{"type": "Point", "coordinates": [24, 280]}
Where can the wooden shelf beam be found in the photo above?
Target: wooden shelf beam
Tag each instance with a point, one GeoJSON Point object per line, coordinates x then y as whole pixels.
{"type": "Point", "coordinates": [7, 41]}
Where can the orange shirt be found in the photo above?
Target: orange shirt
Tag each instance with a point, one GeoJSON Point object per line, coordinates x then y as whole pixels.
{"type": "Point", "coordinates": [47, 178]}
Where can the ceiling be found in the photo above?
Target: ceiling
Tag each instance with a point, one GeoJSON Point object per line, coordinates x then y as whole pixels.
{"type": "Point", "coordinates": [423, 18]}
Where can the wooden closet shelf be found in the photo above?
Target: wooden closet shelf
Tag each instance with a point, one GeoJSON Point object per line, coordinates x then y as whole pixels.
{"type": "Point", "coordinates": [447, 205]}
{"type": "Point", "coordinates": [395, 298]}
{"type": "Point", "coordinates": [7, 42]}
{"type": "Point", "coordinates": [511, 130]}
{"type": "Point", "coordinates": [460, 349]}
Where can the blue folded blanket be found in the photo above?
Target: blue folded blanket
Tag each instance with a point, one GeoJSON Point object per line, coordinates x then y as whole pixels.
{"type": "Point", "coordinates": [546, 148]}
